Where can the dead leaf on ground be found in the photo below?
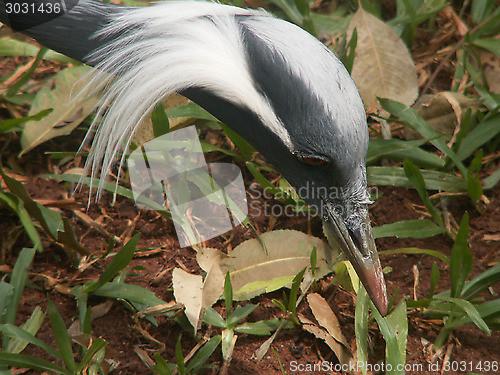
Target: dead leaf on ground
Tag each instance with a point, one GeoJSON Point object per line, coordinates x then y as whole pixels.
{"type": "Point", "coordinates": [443, 111]}
{"type": "Point", "coordinates": [171, 308]}
{"type": "Point", "coordinates": [87, 220]}
{"type": "Point", "coordinates": [208, 256]}
{"type": "Point", "coordinates": [255, 271]}
{"type": "Point", "coordinates": [340, 350]}
{"type": "Point", "coordinates": [196, 293]}
{"type": "Point", "coordinates": [383, 65]}
{"type": "Point", "coordinates": [68, 203]}
{"type": "Point", "coordinates": [326, 317]}
{"type": "Point", "coordinates": [69, 108]}
{"type": "Point", "coordinates": [213, 286]}
{"type": "Point", "coordinates": [492, 237]}
{"type": "Point", "coordinates": [188, 291]}
{"type": "Point", "coordinates": [491, 69]}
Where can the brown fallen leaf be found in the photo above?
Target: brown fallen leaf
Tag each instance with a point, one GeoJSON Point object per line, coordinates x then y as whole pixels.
{"type": "Point", "coordinates": [444, 111]}
{"type": "Point", "coordinates": [69, 203]}
{"type": "Point", "coordinates": [383, 66]}
{"type": "Point", "coordinates": [340, 350]}
{"type": "Point", "coordinates": [208, 256]}
{"type": "Point", "coordinates": [326, 317]}
{"type": "Point", "coordinates": [272, 261]}
{"type": "Point", "coordinates": [492, 237]}
{"type": "Point", "coordinates": [86, 219]}
{"type": "Point", "coordinates": [188, 291]}
{"type": "Point", "coordinates": [171, 307]}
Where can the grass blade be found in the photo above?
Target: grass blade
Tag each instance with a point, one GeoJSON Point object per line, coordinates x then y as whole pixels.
{"type": "Point", "coordinates": [488, 311]}
{"type": "Point", "coordinates": [18, 280]}
{"type": "Point", "coordinates": [481, 134]}
{"type": "Point", "coordinates": [481, 282]}
{"type": "Point", "coordinates": [461, 259]}
{"type": "Point", "coordinates": [415, 250]}
{"type": "Point", "coordinates": [491, 181]}
{"type": "Point", "coordinates": [262, 327]}
{"type": "Point", "coordinates": [213, 317]}
{"type": "Point", "coordinates": [191, 110]}
{"type": "Point", "coordinates": [435, 276]}
{"type": "Point", "coordinates": [119, 262]}
{"type": "Point", "coordinates": [472, 313]}
{"type": "Point", "coordinates": [11, 330]}
{"type": "Point", "coordinates": [61, 335]}
{"type": "Point", "coordinates": [17, 206]}
{"type": "Point", "coordinates": [6, 293]}
{"type": "Point", "coordinates": [408, 229]}
{"type": "Point", "coordinates": [31, 326]}
{"type": "Point", "coordinates": [297, 280]}
{"type": "Point", "coordinates": [361, 327]}
{"type": "Point", "coordinates": [415, 177]}
{"type": "Point", "coordinates": [240, 313]}
{"type": "Point", "coordinates": [7, 125]}
{"type": "Point", "coordinates": [397, 149]}
{"type": "Point", "coordinates": [23, 361]}
{"type": "Point", "coordinates": [395, 176]}
{"type": "Point", "coordinates": [179, 357]}
{"type": "Point", "coordinates": [96, 346]}
{"type": "Point", "coordinates": [417, 123]}
{"type": "Point", "coordinates": [201, 357]}
{"type": "Point", "coordinates": [159, 118]}
{"type": "Point", "coordinates": [228, 295]}
{"type": "Point", "coordinates": [162, 366]}
{"type": "Point", "coordinates": [394, 328]}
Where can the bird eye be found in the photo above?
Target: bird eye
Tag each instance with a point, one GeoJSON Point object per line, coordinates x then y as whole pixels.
{"type": "Point", "coordinates": [314, 160]}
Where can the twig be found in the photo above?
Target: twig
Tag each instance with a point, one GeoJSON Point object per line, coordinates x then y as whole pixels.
{"type": "Point", "coordinates": [448, 55]}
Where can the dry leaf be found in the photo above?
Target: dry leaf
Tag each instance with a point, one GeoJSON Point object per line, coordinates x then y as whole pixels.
{"type": "Point", "coordinates": [339, 349]}
{"type": "Point", "coordinates": [188, 291]}
{"type": "Point", "coordinates": [213, 286]}
{"type": "Point", "coordinates": [491, 69]}
{"type": "Point", "coordinates": [208, 256]}
{"type": "Point", "coordinates": [443, 111]}
{"type": "Point", "coordinates": [86, 219]}
{"type": "Point", "coordinates": [171, 308]}
{"type": "Point", "coordinates": [383, 65]}
{"type": "Point", "coordinates": [491, 237]}
{"type": "Point", "coordinates": [68, 203]}
{"type": "Point", "coordinates": [256, 269]}
{"type": "Point", "coordinates": [326, 318]}
{"type": "Point", "coordinates": [69, 109]}
{"type": "Point", "coordinates": [144, 356]}
{"type": "Point", "coordinates": [197, 294]}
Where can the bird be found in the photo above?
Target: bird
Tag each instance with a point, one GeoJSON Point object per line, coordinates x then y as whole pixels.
{"type": "Point", "coordinates": [273, 83]}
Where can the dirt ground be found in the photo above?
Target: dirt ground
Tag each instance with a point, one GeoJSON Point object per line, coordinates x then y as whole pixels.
{"type": "Point", "coordinates": [54, 273]}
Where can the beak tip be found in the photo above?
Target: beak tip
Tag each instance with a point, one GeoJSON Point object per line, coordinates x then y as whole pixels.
{"type": "Point", "coordinates": [381, 306]}
{"type": "Point", "coordinates": [359, 247]}
{"type": "Point", "coordinates": [375, 286]}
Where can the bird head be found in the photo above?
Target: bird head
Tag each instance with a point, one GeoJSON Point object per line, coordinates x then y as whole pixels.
{"type": "Point", "coordinates": [312, 128]}
{"type": "Point", "coordinates": [270, 81]}
{"type": "Point", "coordinates": [320, 139]}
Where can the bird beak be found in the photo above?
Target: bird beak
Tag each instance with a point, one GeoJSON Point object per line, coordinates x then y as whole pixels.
{"type": "Point", "coordinates": [359, 247]}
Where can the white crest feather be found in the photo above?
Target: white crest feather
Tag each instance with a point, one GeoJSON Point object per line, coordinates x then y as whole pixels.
{"type": "Point", "coordinates": [166, 48]}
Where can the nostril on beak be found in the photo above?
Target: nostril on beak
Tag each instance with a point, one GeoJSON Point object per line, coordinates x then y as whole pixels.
{"type": "Point", "coordinates": [357, 239]}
